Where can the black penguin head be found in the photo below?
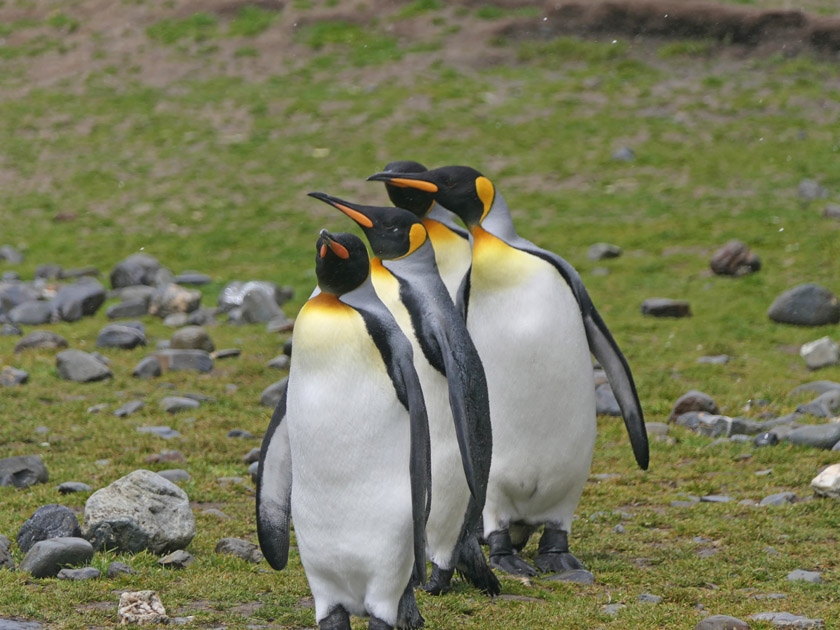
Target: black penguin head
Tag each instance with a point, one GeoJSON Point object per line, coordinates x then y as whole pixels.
{"type": "Point", "coordinates": [341, 262]}
{"type": "Point", "coordinates": [419, 202]}
{"type": "Point", "coordinates": [392, 232]}
{"type": "Point", "coordinates": [461, 189]}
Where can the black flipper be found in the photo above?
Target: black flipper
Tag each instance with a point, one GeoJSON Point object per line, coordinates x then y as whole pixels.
{"type": "Point", "coordinates": [274, 490]}
{"type": "Point", "coordinates": [606, 350]}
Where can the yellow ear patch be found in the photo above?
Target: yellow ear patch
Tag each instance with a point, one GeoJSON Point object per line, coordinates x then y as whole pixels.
{"type": "Point", "coordinates": [416, 237]}
{"type": "Point", "coordinates": [486, 192]}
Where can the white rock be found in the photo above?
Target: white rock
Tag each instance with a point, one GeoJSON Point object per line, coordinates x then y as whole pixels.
{"type": "Point", "coordinates": [141, 607]}
{"type": "Point", "coordinates": [820, 353]}
{"type": "Point", "coordinates": [827, 483]}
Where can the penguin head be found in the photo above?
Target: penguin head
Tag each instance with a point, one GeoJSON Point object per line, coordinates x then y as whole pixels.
{"type": "Point", "coordinates": [393, 233]}
{"type": "Point", "coordinates": [461, 189]}
{"type": "Point", "coordinates": [341, 262]}
{"type": "Point", "coordinates": [414, 200]}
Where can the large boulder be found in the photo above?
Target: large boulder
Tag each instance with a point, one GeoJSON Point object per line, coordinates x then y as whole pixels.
{"type": "Point", "coordinates": [139, 511]}
{"type": "Point", "coordinates": [74, 301]}
{"type": "Point", "coordinates": [806, 305]}
{"type": "Point", "coordinates": [22, 471]}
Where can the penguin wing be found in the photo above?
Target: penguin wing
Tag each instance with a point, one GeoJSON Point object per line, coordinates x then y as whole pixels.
{"type": "Point", "coordinates": [462, 297]}
{"type": "Point", "coordinates": [606, 350]}
{"type": "Point", "coordinates": [274, 490]}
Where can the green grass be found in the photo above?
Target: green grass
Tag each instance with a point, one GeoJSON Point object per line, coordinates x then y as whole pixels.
{"type": "Point", "coordinates": [210, 172]}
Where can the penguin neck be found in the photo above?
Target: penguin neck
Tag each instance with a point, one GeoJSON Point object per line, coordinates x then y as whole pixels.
{"type": "Point", "coordinates": [418, 269]}
{"type": "Point", "coordinates": [498, 221]}
{"type": "Point", "coordinates": [439, 216]}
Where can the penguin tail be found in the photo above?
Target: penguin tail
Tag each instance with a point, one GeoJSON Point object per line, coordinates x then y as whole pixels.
{"type": "Point", "coordinates": [473, 567]}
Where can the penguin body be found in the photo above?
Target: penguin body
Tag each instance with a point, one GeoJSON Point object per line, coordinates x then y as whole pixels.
{"type": "Point", "coordinates": [346, 454]}
{"type": "Point", "coordinates": [452, 377]}
{"type": "Point", "coordinates": [534, 326]}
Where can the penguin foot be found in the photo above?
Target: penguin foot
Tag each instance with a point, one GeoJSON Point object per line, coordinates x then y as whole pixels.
{"type": "Point", "coordinates": [338, 619]}
{"type": "Point", "coordinates": [440, 581]}
{"type": "Point", "coordinates": [512, 564]}
{"type": "Point", "coordinates": [557, 562]}
{"type": "Point", "coordinates": [376, 623]}
{"type": "Point", "coordinates": [408, 614]}
{"type": "Point", "coordinates": [472, 565]}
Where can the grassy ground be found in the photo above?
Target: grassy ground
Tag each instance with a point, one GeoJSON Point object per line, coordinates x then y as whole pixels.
{"type": "Point", "coordinates": [194, 137]}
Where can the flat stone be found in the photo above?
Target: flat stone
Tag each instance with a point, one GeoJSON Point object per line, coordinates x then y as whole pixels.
{"type": "Point", "coordinates": [175, 475]}
{"type": "Point", "coordinates": [203, 317]}
{"type": "Point", "coordinates": [77, 575]}
{"type": "Point", "coordinates": [12, 377]}
{"type": "Point", "coordinates": [193, 278]}
{"type": "Point", "coordinates": [601, 251]}
{"type": "Point", "coordinates": [80, 299]}
{"type": "Point", "coordinates": [192, 338]}
{"type": "Point", "coordinates": [116, 569]}
{"type": "Point", "coordinates": [806, 305]}
{"type": "Point", "coordinates": [7, 563]}
{"type": "Point", "coordinates": [279, 323]}
{"type": "Point", "coordinates": [10, 255]}
{"type": "Point", "coordinates": [42, 340]}
{"type": "Point", "coordinates": [815, 387]}
{"type": "Point", "coordinates": [829, 402]}
{"type": "Point", "coordinates": [10, 330]}
{"type": "Point", "coordinates": [128, 308]}
{"type": "Point", "coordinates": [166, 455]}
{"type": "Point", "coordinates": [70, 487]}
{"type": "Point", "coordinates": [624, 154]}
{"type": "Point", "coordinates": [120, 336]}
{"type": "Point", "coordinates": [827, 483]}
{"type": "Point", "coordinates": [715, 498]}
{"type": "Point", "coordinates": [832, 211]}
{"type": "Point", "coordinates": [647, 598]}
{"type": "Point", "coordinates": [81, 367]}
{"type": "Point", "coordinates": [149, 367]}
{"type": "Point", "coordinates": [46, 557]}
{"type": "Point", "coordinates": [167, 433]}
{"type": "Point", "coordinates": [722, 622]}
{"type": "Point", "coordinates": [809, 190]}
{"type": "Point", "coordinates": [48, 521]}
{"type": "Point", "coordinates": [612, 609]}
{"type": "Point", "coordinates": [820, 353]}
{"type": "Point", "coordinates": [800, 575]}
{"type": "Point", "coordinates": [787, 620]}
{"type": "Point", "coordinates": [734, 259]}
{"type": "Point", "coordinates": [31, 313]}
{"type": "Point", "coordinates": [240, 433]}
{"type": "Point", "coordinates": [823, 436]}
{"type": "Point", "coordinates": [215, 512]}
{"type": "Point", "coordinates": [196, 360]}
{"type": "Point", "coordinates": [271, 395]}
{"type": "Point", "coordinates": [780, 498]}
{"type": "Point", "coordinates": [239, 548]}
{"type": "Point", "coordinates": [22, 471]}
{"type": "Point", "coordinates": [174, 404]}
{"type": "Point", "coordinates": [227, 353]}
{"type": "Point", "coordinates": [577, 576]}
{"type": "Point", "coordinates": [16, 624]}
{"type": "Point", "coordinates": [176, 560]}
{"type": "Point", "coordinates": [664, 307]}
{"type": "Point", "coordinates": [141, 608]}
{"type": "Point", "coordinates": [693, 400]}
{"type": "Point", "coordinates": [253, 455]}
{"type": "Point", "coordinates": [129, 408]}
{"type": "Point", "coordinates": [715, 359]}
{"type": "Point", "coordinates": [279, 363]}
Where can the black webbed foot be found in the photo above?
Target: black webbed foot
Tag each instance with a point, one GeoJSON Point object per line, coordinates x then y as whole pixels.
{"type": "Point", "coordinates": [503, 558]}
{"type": "Point", "coordinates": [440, 581]}
{"type": "Point", "coordinates": [553, 555]}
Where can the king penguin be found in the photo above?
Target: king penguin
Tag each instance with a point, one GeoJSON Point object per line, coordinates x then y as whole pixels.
{"type": "Point", "coordinates": [534, 325]}
{"type": "Point", "coordinates": [451, 242]}
{"type": "Point", "coordinates": [346, 454]}
{"type": "Point", "coordinates": [451, 374]}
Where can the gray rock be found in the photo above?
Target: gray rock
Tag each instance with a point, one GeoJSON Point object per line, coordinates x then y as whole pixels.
{"type": "Point", "coordinates": [167, 433]}
{"type": "Point", "coordinates": [715, 359]}
{"type": "Point", "coordinates": [193, 278]}
{"type": "Point", "coordinates": [279, 323]}
{"type": "Point", "coordinates": [81, 367]}
{"type": "Point", "coordinates": [780, 498]}
{"type": "Point", "coordinates": [48, 521]}
{"type": "Point", "coordinates": [135, 293]}
{"type": "Point", "coordinates": [253, 471]}
{"type": "Point", "coordinates": [259, 306]}
{"type": "Point", "coordinates": [10, 330]}
{"type": "Point", "coordinates": [172, 298]}
{"type": "Point", "coordinates": [14, 624]}
{"type": "Point", "coordinates": [192, 338]}
{"type": "Point", "coordinates": [279, 363]}
{"type": "Point", "coordinates": [665, 307]}
{"type": "Point", "coordinates": [12, 377]}
{"type": "Point", "coordinates": [139, 511]}
{"type": "Point", "coordinates": [239, 548]}
{"type": "Point", "coordinates": [832, 211]}
{"type": "Point", "coordinates": [746, 426]}
{"type": "Point", "coordinates": [32, 313]}
{"type": "Point", "coordinates": [141, 608]}
{"type": "Point", "coordinates": [577, 576]}
{"type": "Point", "coordinates": [271, 395]}
{"type": "Point", "coordinates": [253, 455]}
{"type": "Point", "coordinates": [70, 487]}
{"type": "Point", "coordinates": [722, 622]}
{"type": "Point", "coordinates": [767, 438]}
{"type": "Point", "coordinates": [605, 401]}
{"type": "Point", "coordinates": [136, 269]}
{"type": "Point", "coordinates": [149, 367]}
{"type": "Point", "coordinates": [176, 320]}
{"type": "Point", "coordinates": [240, 433]}
{"type": "Point", "coordinates": [829, 401]}
{"type": "Point", "coordinates": [179, 559]}
{"type": "Point", "coordinates": [816, 435]}
{"type": "Point", "coordinates": [196, 360]}
{"type": "Point", "coordinates": [116, 569]}
{"type": "Point", "coordinates": [46, 557]}
{"type": "Point", "coordinates": [127, 308]}
{"type": "Point", "coordinates": [809, 190]}
{"type": "Point", "coordinates": [226, 353]}
{"type": "Point", "coordinates": [22, 471]}
{"type": "Point", "coordinates": [612, 609]}
{"type": "Point", "coordinates": [175, 475]}
{"type": "Point", "coordinates": [827, 483]}
{"type": "Point", "coordinates": [815, 387]}
{"type": "Point", "coordinates": [216, 513]}
{"type": "Point", "coordinates": [10, 254]}
{"type": "Point", "coordinates": [77, 575]}
{"type": "Point", "coordinates": [203, 317]}
{"type": "Point", "coordinates": [734, 259]}
{"type": "Point", "coordinates": [601, 251]}
{"type": "Point", "coordinates": [6, 562]}
{"type": "Point", "coordinates": [820, 353]}
{"type": "Point", "coordinates": [800, 575]}
{"type": "Point", "coordinates": [174, 404]}
{"type": "Point", "coordinates": [647, 598]}
{"type": "Point", "coordinates": [77, 300]}
{"type": "Point", "coordinates": [5, 543]}
{"type": "Point", "coordinates": [42, 340]}
{"type": "Point", "coordinates": [693, 400]}
{"type": "Point", "coordinates": [129, 408]}
{"type": "Point", "coordinates": [657, 429]}
{"type": "Point", "coordinates": [10, 276]}
{"type": "Point", "coordinates": [787, 620]}
{"type": "Point", "coordinates": [234, 293]}
{"type": "Point", "coordinates": [715, 498]}
{"type": "Point", "coordinates": [624, 154]}
{"type": "Point", "coordinates": [806, 305]}
{"type": "Point", "coordinates": [119, 336]}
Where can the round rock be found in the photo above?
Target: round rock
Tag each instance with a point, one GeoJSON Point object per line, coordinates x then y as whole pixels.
{"type": "Point", "coordinates": [271, 395]}
{"type": "Point", "coordinates": [120, 336]}
{"type": "Point", "coordinates": [41, 339]}
{"type": "Point", "coordinates": [134, 270]}
{"type": "Point", "coordinates": [48, 521]}
{"type": "Point", "coordinates": [817, 435]}
{"type": "Point", "coordinates": [77, 575]}
{"type": "Point", "coordinates": [32, 313]}
{"type": "Point", "coordinates": [192, 338]}
{"type": "Point", "coordinates": [12, 377]}
{"type": "Point", "coordinates": [70, 487]}
{"type": "Point", "coordinates": [81, 367]}
{"type": "Point", "coordinates": [239, 548]}
{"type": "Point", "coordinates": [22, 471]}
{"type": "Point", "coordinates": [149, 367]}
{"type": "Point", "coordinates": [693, 400]}
{"type": "Point", "coordinates": [46, 557]}
{"type": "Point", "coordinates": [806, 305]}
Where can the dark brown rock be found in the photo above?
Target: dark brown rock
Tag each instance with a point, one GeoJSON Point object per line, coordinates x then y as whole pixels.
{"type": "Point", "coordinates": [734, 259]}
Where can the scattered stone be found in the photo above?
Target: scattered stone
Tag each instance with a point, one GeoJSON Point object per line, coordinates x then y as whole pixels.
{"type": "Point", "coordinates": [141, 608]}
{"type": "Point", "coordinates": [781, 498]}
{"type": "Point", "coordinates": [827, 483]}
{"type": "Point", "coordinates": [715, 498]}
{"type": "Point", "coordinates": [176, 320]}
{"type": "Point", "coordinates": [127, 308]}
{"type": "Point", "coordinates": [815, 387]}
{"type": "Point", "coordinates": [179, 559]}
{"type": "Point", "coordinates": [10, 255]}
{"type": "Point", "coordinates": [279, 363]}
{"type": "Point", "coordinates": [770, 595]}
{"type": "Point", "coordinates": [253, 455]}
{"type": "Point", "coordinates": [664, 307]}
{"type": "Point", "coordinates": [234, 293]}
{"type": "Point", "coordinates": [605, 401]}
{"type": "Point", "coordinates": [193, 278]}
{"type": "Point", "coordinates": [215, 512]}
{"type": "Point", "coordinates": [832, 211]}
{"type": "Point", "coordinates": [787, 620]}
{"type": "Point", "coordinates": [31, 313]}
{"type": "Point", "coordinates": [120, 336]}
{"type": "Point", "coordinates": [22, 471]}
{"type": "Point", "coordinates": [129, 408]}
{"type": "Point", "coordinates": [8, 563]}
{"type": "Point", "coordinates": [41, 339]}
{"type": "Point", "coordinates": [70, 487]}
{"type": "Point", "coordinates": [81, 367]}
{"type": "Point", "coordinates": [175, 475]}
{"type": "Point", "coordinates": [227, 353]}
{"type": "Point", "coordinates": [241, 433]}
{"type": "Point", "coordinates": [48, 521]}
{"type": "Point", "coordinates": [149, 367]}
{"type": "Point", "coordinates": [259, 306]}
{"type": "Point", "coordinates": [271, 395]}
{"type": "Point", "coordinates": [46, 557]}
{"type": "Point", "coordinates": [576, 576]}
{"type": "Point", "coordinates": [624, 154]}
{"type": "Point", "coordinates": [77, 300]}
{"type": "Point", "coordinates": [768, 438]}
{"type": "Point", "coordinates": [715, 359]}
{"type": "Point", "coordinates": [77, 575]}
{"type": "Point", "coordinates": [647, 598]}
{"type": "Point", "coordinates": [287, 347]}
{"type": "Point", "coordinates": [10, 330]}
{"type": "Point", "coordinates": [136, 269]}
{"type": "Point", "coordinates": [136, 293]}
{"type": "Point", "coordinates": [5, 543]}
{"type": "Point", "coordinates": [734, 259]}
{"type": "Point", "coordinates": [239, 548]}
{"type": "Point", "coordinates": [816, 435]}
{"type": "Point", "coordinates": [279, 323]}
{"type": "Point", "coordinates": [192, 338]}
{"type": "Point", "coordinates": [253, 471]}
{"type": "Point", "coordinates": [167, 433]}
{"type": "Point", "coordinates": [174, 404]}
{"type": "Point", "coordinates": [679, 503]}
{"type": "Point", "coordinates": [809, 190]}
{"type": "Point", "coordinates": [203, 317]}
{"type": "Point", "coordinates": [722, 622]}
{"type": "Point", "coordinates": [601, 251]}
{"type": "Point", "coordinates": [693, 400]}
{"type": "Point", "coordinates": [139, 511]}
{"type": "Point", "coordinates": [197, 360]}
{"type": "Point", "coordinates": [172, 298]}
{"type": "Point", "coordinates": [116, 569]}
{"type": "Point", "coordinates": [227, 481]}
{"type": "Point", "coordinates": [166, 455]}
{"type": "Point", "coordinates": [820, 353]}
{"type": "Point", "coordinates": [825, 405]}
{"type": "Point", "coordinates": [806, 305]}
{"type": "Point", "coordinates": [619, 529]}
{"type": "Point", "coordinates": [612, 609]}
{"type": "Point", "coordinates": [800, 575]}
{"type": "Point", "coordinates": [12, 377]}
